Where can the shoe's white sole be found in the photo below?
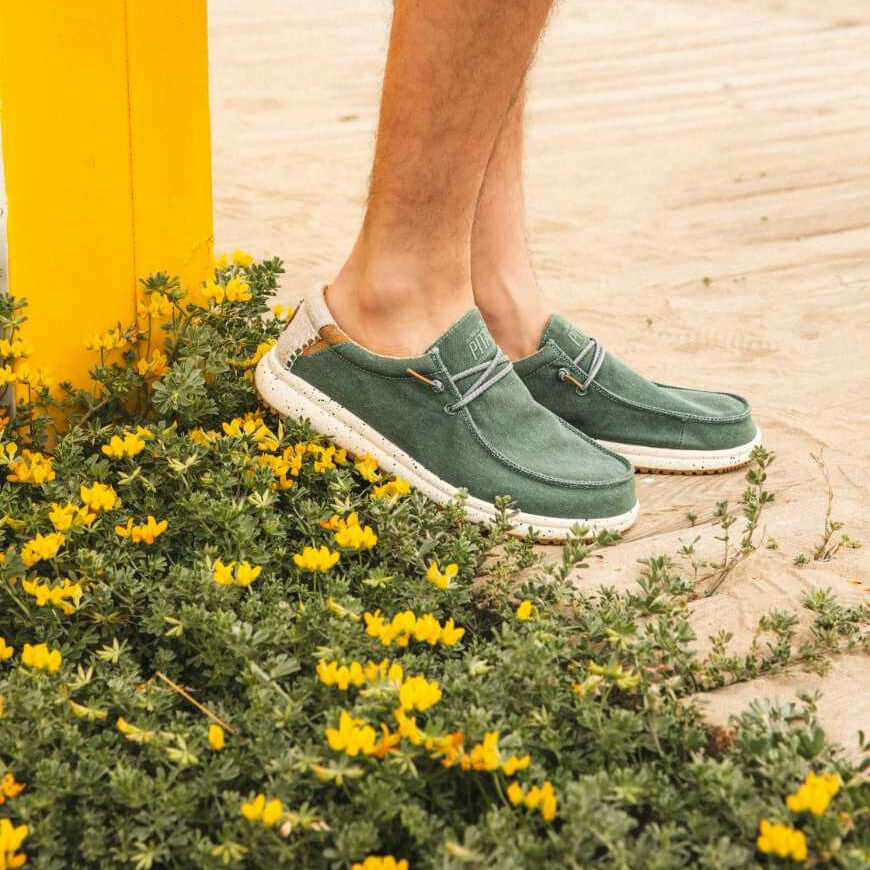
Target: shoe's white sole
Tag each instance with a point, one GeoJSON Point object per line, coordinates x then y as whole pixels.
{"type": "Point", "coordinates": [291, 396]}
{"type": "Point", "coordinates": [668, 460]}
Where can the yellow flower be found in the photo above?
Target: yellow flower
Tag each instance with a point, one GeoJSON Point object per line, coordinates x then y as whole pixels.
{"type": "Point", "coordinates": [511, 765]}
{"type": "Point", "coordinates": [132, 732]}
{"type": "Point", "coordinates": [262, 349]}
{"type": "Point", "coordinates": [483, 755]}
{"type": "Point", "coordinates": [233, 574]}
{"type": "Point", "coordinates": [154, 367]}
{"type": "Point", "coordinates": [222, 262]}
{"type": "Point", "coordinates": [9, 788]}
{"type": "Point", "coordinates": [367, 467]}
{"type": "Point", "coordinates": [213, 291]}
{"type": "Point", "coordinates": [41, 547]}
{"type": "Point", "coordinates": [223, 574]}
{"type": "Point", "coordinates": [35, 378]}
{"type": "Point", "coordinates": [63, 517]}
{"type": "Point", "coordinates": [524, 611]}
{"type": "Point", "coordinates": [215, 737]}
{"type": "Point", "coordinates": [396, 488]}
{"type": "Point", "coordinates": [450, 634]}
{"type": "Point", "coordinates": [16, 348]}
{"type": "Point", "coordinates": [282, 312]}
{"type": "Point", "coordinates": [261, 810]}
{"type": "Point", "coordinates": [441, 579]}
{"type": "Point", "coordinates": [237, 290]}
{"type": "Point", "coordinates": [782, 841]}
{"type": "Point", "coordinates": [352, 736]}
{"type": "Point", "coordinates": [515, 793]}
{"type": "Point", "coordinates": [241, 258]}
{"type": "Point", "coordinates": [145, 533]}
{"type": "Point", "coordinates": [114, 339]}
{"type": "Point", "coordinates": [543, 798]}
{"type": "Point", "coordinates": [814, 794]}
{"type": "Point", "coordinates": [349, 533]}
{"type": "Point", "coordinates": [417, 693]}
{"type": "Point", "coordinates": [5, 650]}
{"type": "Point", "coordinates": [380, 862]}
{"type": "Point", "coordinates": [155, 304]}
{"type": "Point", "coordinates": [11, 838]}
{"type": "Point", "coordinates": [406, 625]}
{"type": "Point", "coordinates": [98, 497]}
{"type": "Point", "coordinates": [319, 560]}
{"type": "Point", "coordinates": [7, 375]}
{"type": "Point", "coordinates": [31, 467]}
{"type": "Point", "coordinates": [58, 596]}
{"type": "Point", "coordinates": [40, 657]}
{"type": "Point", "coordinates": [130, 445]}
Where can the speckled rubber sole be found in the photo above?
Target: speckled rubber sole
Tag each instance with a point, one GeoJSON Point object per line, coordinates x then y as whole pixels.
{"type": "Point", "coordinates": [665, 460]}
{"type": "Point", "coordinates": [291, 396]}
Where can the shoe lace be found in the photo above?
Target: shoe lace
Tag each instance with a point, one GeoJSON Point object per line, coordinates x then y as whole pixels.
{"type": "Point", "coordinates": [489, 372]}
{"type": "Point", "coordinates": [597, 360]}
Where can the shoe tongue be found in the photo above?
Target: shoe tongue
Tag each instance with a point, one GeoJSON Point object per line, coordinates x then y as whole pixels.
{"type": "Point", "coordinates": [565, 334]}
{"type": "Point", "coordinates": [466, 343]}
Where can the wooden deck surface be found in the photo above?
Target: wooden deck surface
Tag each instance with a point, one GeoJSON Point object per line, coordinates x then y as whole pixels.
{"type": "Point", "coordinates": [699, 195]}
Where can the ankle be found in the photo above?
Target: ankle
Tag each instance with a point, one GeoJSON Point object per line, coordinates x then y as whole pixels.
{"type": "Point", "coordinates": [513, 308]}
{"type": "Point", "coordinates": [396, 312]}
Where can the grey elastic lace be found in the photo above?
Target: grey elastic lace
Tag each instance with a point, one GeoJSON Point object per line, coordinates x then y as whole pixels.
{"type": "Point", "coordinates": [491, 372]}
{"type": "Point", "coordinates": [598, 354]}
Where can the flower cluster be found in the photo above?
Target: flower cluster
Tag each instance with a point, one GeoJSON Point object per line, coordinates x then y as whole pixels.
{"type": "Point", "coordinates": [406, 626]}
{"type": "Point", "coordinates": [541, 798]}
{"type": "Point", "coordinates": [349, 534]}
{"type": "Point", "coordinates": [132, 444]}
{"type": "Point", "coordinates": [58, 596]}
{"type": "Point", "coordinates": [357, 674]}
{"type": "Point", "coordinates": [144, 533]}
{"type": "Point", "coordinates": [236, 289]}
{"type": "Point", "coordinates": [41, 657]}
{"type": "Point", "coordinates": [6, 651]}
{"type": "Point", "coordinates": [30, 467]}
{"type": "Point", "coordinates": [396, 488]}
{"type": "Point", "coordinates": [98, 497]}
{"type": "Point", "coordinates": [315, 560]}
{"type": "Point", "coordinates": [64, 517]}
{"type": "Point", "coordinates": [113, 339]}
{"type": "Point", "coordinates": [235, 574]}
{"type": "Point", "coordinates": [781, 840]}
{"type": "Point", "coordinates": [41, 547]}
{"type": "Point", "coordinates": [263, 810]}
{"type": "Point", "coordinates": [814, 794]}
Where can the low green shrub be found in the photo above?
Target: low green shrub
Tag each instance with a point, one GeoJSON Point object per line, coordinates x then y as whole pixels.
{"type": "Point", "coordinates": [262, 652]}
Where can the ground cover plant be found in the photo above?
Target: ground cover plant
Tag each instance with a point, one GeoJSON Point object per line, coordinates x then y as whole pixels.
{"type": "Point", "coordinates": [226, 642]}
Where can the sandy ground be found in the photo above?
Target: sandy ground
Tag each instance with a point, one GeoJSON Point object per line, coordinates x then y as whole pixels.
{"type": "Point", "coordinates": [699, 194]}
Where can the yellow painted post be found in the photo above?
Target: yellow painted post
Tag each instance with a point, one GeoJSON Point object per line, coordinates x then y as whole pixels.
{"type": "Point", "coordinates": [106, 154]}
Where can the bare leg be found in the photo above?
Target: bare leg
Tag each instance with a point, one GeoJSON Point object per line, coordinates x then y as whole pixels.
{"type": "Point", "coordinates": [452, 71]}
{"type": "Point", "coordinates": [505, 287]}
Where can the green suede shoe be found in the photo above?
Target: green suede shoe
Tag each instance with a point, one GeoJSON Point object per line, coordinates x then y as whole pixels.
{"type": "Point", "coordinates": [655, 426]}
{"type": "Point", "coordinates": [457, 417]}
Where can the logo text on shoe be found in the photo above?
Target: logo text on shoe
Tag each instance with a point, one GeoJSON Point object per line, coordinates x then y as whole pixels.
{"type": "Point", "coordinates": [480, 344]}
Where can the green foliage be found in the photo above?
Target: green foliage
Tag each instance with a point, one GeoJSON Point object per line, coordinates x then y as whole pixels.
{"type": "Point", "coordinates": [594, 687]}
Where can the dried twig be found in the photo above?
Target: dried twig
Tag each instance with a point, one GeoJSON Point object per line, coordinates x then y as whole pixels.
{"type": "Point", "coordinates": [188, 697]}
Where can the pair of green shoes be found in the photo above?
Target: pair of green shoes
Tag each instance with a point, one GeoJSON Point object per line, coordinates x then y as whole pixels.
{"type": "Point", "coordinates": [560, 431]}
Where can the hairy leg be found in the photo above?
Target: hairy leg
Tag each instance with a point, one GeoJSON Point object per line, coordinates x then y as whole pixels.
{"type": "Point", "coordinates": [505, 287]}
{"type": "Point", "coordinates": [453, 70]}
